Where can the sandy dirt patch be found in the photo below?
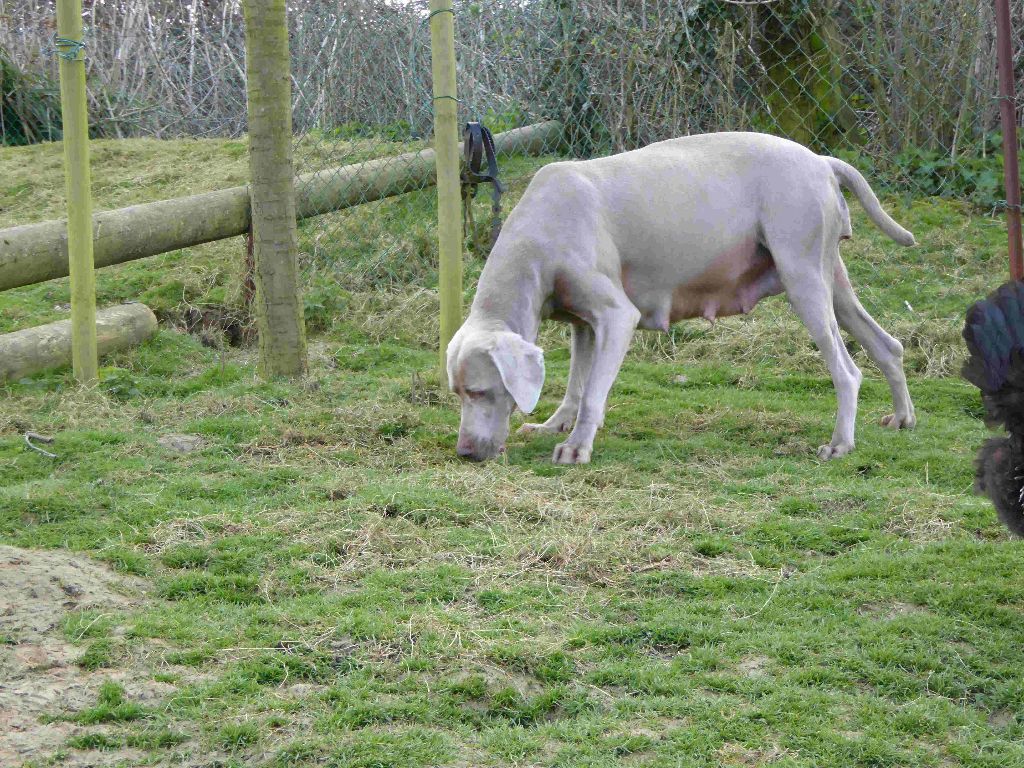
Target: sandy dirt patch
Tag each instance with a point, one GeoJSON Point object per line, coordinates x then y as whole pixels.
{"type": "Point", "coordinates": [38, 673]}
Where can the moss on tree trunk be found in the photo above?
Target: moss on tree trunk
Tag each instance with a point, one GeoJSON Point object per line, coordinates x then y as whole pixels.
{"type": "Point", "coordinates": [801, 53]}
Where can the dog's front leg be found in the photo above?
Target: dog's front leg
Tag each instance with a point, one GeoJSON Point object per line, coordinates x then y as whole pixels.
{"type": "Point", "coordinates": [582, 359]}
{"type": "Point", "coordinates": [613, 325]}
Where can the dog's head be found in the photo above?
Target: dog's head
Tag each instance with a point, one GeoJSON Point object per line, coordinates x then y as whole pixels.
{"type": "Point", "coordinates": [492, 372]}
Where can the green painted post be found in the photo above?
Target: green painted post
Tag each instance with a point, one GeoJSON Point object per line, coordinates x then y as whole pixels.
{"type": "Point", "coordinates": [75, 117]}
{"type": "Point", "coordinates": [446, 146]}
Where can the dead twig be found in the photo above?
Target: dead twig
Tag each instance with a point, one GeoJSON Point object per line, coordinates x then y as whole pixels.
{"type": "Point", "coordinates": [30, 436]}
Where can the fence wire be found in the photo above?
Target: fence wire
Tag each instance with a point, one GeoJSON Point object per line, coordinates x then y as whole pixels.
{"type": "Point", "coordinates": [904, 89]}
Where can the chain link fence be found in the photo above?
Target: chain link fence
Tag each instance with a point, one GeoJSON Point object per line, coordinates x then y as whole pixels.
{"type": "Point", "coordinates": [903, 89]}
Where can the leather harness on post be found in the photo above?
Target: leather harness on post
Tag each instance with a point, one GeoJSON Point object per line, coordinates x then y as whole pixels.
{"type": "Point", "coordinates": [478, 145]}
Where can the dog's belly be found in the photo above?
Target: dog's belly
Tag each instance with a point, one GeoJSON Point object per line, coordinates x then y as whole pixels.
{"type": "Point", "coordinates": [731, 284]}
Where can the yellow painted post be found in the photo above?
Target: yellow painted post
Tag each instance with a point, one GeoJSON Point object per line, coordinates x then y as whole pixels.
{"type": "Point", "coordinates": [75, 118]}
{"type": "Point", "coordinates": [446, 145]}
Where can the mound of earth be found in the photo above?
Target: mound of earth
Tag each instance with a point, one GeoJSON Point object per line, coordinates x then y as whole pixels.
{"type": "Point", "coordinates": [38, 674]}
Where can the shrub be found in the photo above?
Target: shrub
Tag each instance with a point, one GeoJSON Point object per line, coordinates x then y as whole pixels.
{"type": "Point", "coordinates": [29, 105]}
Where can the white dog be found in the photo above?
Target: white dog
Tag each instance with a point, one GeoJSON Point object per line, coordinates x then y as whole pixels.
{"type": "Point", "coordinates": [702, 226]}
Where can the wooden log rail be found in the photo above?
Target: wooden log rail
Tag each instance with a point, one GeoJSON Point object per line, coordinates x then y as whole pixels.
{"type": "Point", "coordinates": [33, 253]}
{"type": "Point", "coordinates": [32, 350]}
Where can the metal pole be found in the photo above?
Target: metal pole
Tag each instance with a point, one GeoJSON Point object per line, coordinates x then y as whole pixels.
{"type": "Point", "coordinates": [446, 145]}
{"type": "Point", "coordinates": [75, 118]}
{"type": "Point", "coordinates": [1008, 115]}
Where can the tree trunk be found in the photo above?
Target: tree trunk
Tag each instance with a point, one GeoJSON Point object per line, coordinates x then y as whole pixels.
{"type": "Point", "coordinates": [804, 73]}
{"type": "Point", "coordinates": [569, 78]}
{"type": "Point", "coordinates": [278, 303]}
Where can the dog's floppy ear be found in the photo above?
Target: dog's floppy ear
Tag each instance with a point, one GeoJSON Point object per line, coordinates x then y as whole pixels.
{"type": "Point", "coordinates": [452, 357]}
{"type": "Point", "coordinates": [521, 365]}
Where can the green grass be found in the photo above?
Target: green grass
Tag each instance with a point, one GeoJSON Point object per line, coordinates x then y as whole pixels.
{"type": "Point", "coordinates": [332, 587]}
{"type": "Point", "coordinates": [112, 707]}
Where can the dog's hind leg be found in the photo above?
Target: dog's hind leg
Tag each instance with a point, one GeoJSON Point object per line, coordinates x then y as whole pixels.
{"type": "Point", "coordinates": [810, 295]}
{"type": "Point", "coordinates": [883, 349]}
{"type": "Point", "coordinates": [564, 417]}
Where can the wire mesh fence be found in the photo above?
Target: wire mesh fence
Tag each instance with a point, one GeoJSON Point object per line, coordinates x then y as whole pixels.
{"type": "Point", "coordinates": [880, 77]}
{"type": "Point", "coordinates": [904, 90]}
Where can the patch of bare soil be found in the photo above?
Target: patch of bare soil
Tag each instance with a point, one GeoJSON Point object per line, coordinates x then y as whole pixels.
{"type": "Point", "coordinates": [739, 755]}
{"type": "Point", "coordinates": [216, 325]}
{"type": "Point", "coordinates": [38, 674]}
{"type": "Point", "coordinates": [754, 666]}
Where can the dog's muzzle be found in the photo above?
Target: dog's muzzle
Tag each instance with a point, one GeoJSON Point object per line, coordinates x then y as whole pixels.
{"type": "Point", "coordinates": [477, 451]}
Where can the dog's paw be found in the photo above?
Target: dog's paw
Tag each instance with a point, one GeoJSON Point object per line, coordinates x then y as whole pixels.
{"type": "Point", "coordinates": [828, 452]}
{"type": "Point", "coordinates": [551, 426]}
{"type": "Point", "coordinates": [899, 421]}
{"type": "Point", "coordinates": [567, 453]}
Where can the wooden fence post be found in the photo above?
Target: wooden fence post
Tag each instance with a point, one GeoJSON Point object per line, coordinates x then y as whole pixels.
{"type": "Point", "coordinates": [446, 146]}
{"type": "Point", "coordinates": [278, 303]}
{"type": "Point", "coordinates": [1008, 113]}
{"type": "Point", "coordinates": [75, 119]}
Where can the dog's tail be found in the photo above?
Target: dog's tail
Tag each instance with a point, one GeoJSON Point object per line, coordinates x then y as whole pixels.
{"type": "Point", "coordinates": [850, 178]}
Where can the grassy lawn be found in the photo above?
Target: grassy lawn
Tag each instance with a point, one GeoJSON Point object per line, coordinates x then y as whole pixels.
{"type": "Point", "coordinates": [326, 585]}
